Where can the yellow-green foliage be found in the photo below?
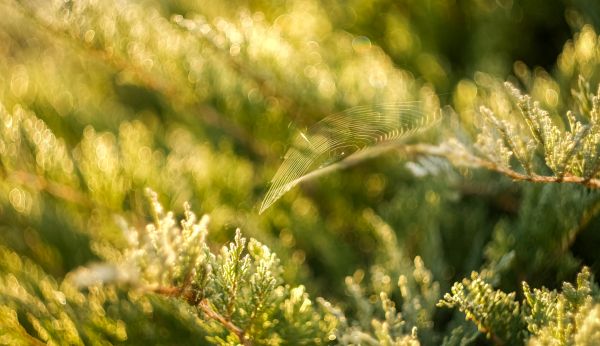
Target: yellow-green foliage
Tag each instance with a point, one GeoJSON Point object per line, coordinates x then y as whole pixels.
{"type": "Point", "coordinates": [543, 318]}
{"type": "Point", "coordinates": [103, 101]}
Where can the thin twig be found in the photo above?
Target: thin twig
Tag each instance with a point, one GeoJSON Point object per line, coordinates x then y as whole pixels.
{"type": "Point", "coordinates": [204, 305]}
{"type": "Point", "coordinates": [472, 160]}
{"type": "Point", "coordinates": [206, 308]}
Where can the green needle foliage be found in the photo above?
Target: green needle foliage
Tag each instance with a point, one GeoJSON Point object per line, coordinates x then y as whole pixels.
{"type": "Point", "coordinates": [544, 317]}
{"type": "Point", "coordinates": [396, 223]}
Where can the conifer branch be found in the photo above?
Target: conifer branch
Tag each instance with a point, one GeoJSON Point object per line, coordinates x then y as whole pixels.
{"type": "Point", "coordinates": [204, 305]}
{"type": "Point", "coordinates": [466, 159]}
{"type": "Point", "coordinates": [162, 86]}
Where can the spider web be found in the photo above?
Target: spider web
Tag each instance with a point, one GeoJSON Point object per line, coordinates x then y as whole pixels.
{"type": "Point", "coordinates": [344, 139]}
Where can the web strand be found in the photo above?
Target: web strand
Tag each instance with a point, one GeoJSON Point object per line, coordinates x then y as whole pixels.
{"type": "Point", "coordinates": [344, 139]}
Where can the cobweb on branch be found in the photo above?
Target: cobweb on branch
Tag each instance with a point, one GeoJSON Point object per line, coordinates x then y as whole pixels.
{"type": "Point", "coordinates": [344, 139]}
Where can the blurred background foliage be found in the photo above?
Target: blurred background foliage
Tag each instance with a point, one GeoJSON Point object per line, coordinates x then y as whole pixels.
{"type": "Point", "coordinates": [198, 100]}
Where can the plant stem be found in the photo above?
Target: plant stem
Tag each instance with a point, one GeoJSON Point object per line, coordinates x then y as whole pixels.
{"type": "Point", "coordinates": [476, 161]}
{"type": "Point", "coordinates": [204, 305]}
{"type": "Point", "coordinates": [206, 308]}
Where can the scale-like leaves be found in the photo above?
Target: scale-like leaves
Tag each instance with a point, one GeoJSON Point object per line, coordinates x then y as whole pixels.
{"type": "Point", "coordinates": [344, 139]}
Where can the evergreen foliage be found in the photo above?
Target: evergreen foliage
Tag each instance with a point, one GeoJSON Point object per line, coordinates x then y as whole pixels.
{"type": "Point", "coordinates": [120, 118]}
{"type": "Point", "coordinates": [544, 317]}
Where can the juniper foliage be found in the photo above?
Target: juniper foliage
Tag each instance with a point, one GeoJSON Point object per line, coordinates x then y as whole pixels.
{"type": "Point", "coordinates": [468, 233]}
